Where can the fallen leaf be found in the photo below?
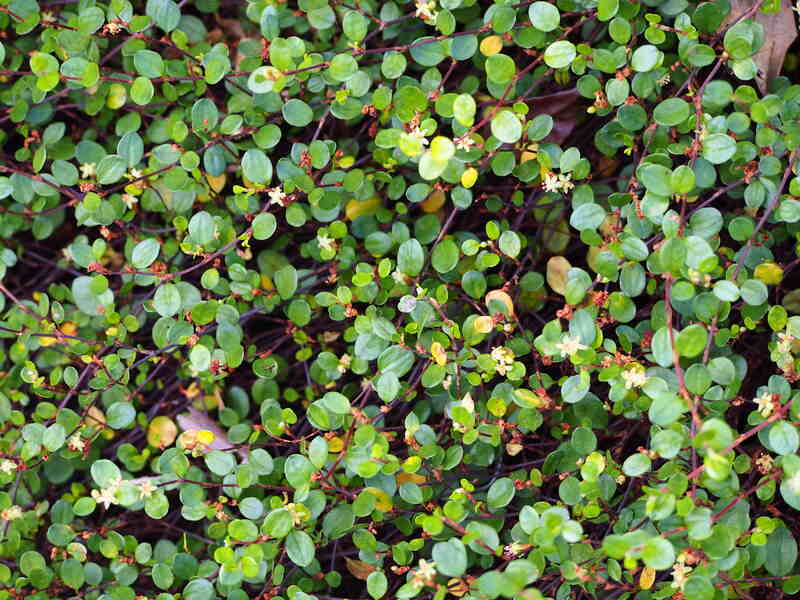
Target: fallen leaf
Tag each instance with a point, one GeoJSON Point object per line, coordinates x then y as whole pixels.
{"type": "Point", "coordinates": [196, 420]}
{"type": "Point", "coordinates": [358, 568]}
{"type": "Point", "coordinates": [780, 31]}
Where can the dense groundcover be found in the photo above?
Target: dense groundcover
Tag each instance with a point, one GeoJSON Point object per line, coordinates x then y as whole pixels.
{"type": "Point", "coordinates": [363, 299]}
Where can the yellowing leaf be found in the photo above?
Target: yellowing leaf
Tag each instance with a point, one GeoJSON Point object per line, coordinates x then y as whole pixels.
{"type": "Point", "coordinates": [500, 296]}
{"type": "Point", "coordinates": [384, 502]}
{"type": "Point", "coordinates": [409, 478]}
{"type": "Point", "coordinates": [469, 177]}
{"type": "Point", "coordinates": [438, 353]}
{"type": "Point", "coordinates": [769, 273]}
{"type": "Point", "coordinates": [483, 324]}
{"type": "Point", "coordinates": [557, 268]}
{"type": "Point", "coordinates": [95, 418]}
{"type": "Point", "coordinates": [358, 568]}
{"type": "Point", "coordinates": [355, 209]}
{"type": "Point", "coordinates": [491, 45]}
{"type": "Point", "coordinates": [647, 578]}
{"type": "Point", "coordinates": [335, 444]}
{"type": "Point", "coordinates": [266, 282]}
{"type": "Point", "coordinates": [433, 202]}
{"type": "Point", "coordinates": [217, 183]}
{"type": "Point", "coordinates": [161, 432]}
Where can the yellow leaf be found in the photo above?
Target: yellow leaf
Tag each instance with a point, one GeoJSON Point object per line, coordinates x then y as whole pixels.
{"type": "Point", "coordinates": [384, 502]}
{"type": "Point", "coordinates": [557, 268]}
{"type": "Point", "coordinates": [266, 282]}
{"type": "Point", "coordinates": [116, 96]}
{"type": "Point", "coordinates": [483, 324]}
{"type": "Point", "coordinates": [409, 478]}
{"type": "Point", "coordinates": [769, 273]}
{"type": "Point", "coordinates": [358, 568]}
{"type": "Point", "coordinates": [647, 578]}
{"type": "Point", "coordinates": [469, 177]}
{"type": "Point", "coordinates": [95, 418]}
{"type": "Point", "coordinates": [217, 183]}
{"type": "Point", "coordinates": [355, 209]}
{"type": "Point", "coordinates": [433, 202]}
{"type": "Point", "coordinates": [161, 432]}
{"type": "Point", "coordinates": [438, 353]}
{"type": "Point", "coordinates": [503, 297]}
{"type": "Point", "coordinates": [491, 45]}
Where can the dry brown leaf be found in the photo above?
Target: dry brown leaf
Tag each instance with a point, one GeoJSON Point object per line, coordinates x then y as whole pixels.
{"type": "Point", "coordinates": [780, 31]}
{"type": "Point", "coordinates": [194, 419]}
{"type": "Point", "coordinates": [359, 569]}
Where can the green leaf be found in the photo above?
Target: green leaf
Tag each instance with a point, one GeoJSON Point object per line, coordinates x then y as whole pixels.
{"type": "Point", "coordinates": [297, 113]}
{"type": "Point", "coordinates": [559, 55]}
{"type": "Point", "coordinates": [300, 548]}
{"type": "Point", "coordinates": [445, 256]}
{"type": "Point", "coordinates": [377, 584]}
{"type": "Point", "coordinates": [144, 253]}
{"type": "Point", "coordinates": [658, 554]}
{"type": "Point", "coordinates": [264, 225]}
{"type": "Point", "coordinates": [450, 557]}
{"type": "Point", "coordinates": [506, 127]}
{"type": "Point", "coordinates": [286, 281]}
{"type": "Point", "coordinates": [501, 492]}
{"type": "Point", "coordinates": [165, 13]}
{"type": "Point", "coordinates": [671, 112]}
{"type": "Point", "coordinates": [544, 16]}
{"type": "Point", "coordinates": [410, 257]}
{"type": "Point", "coordinates": [718, 148]}
{"type": "Point", "coordinates": [256, 166]}
{"type": "Point", "coordinates": [167, 300]}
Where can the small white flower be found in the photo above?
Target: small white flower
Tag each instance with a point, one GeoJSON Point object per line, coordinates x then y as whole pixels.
{"type": "Point", "coordinates": [11, 513]}
{"type": "Point", "coordinates": [426, 570]}
{"type": "Point", "coordinates": [344, 363]}
{"type": "Point", "coordinates": [550, 183]}
{"type": "Point", "coordinates": [785, 342]}
{"type": "Point", "coordinates": [8, 466]}
{"type": "Point", "coordinates": [146, 489]}
{"type": "Point", "coordinates": [764, 402]}
{"type": "Point", "coordinates": [465, 143]}
{"type": "Point", "coordinates": [129, 200]}
{"type": "Point", "coordinates": [276, 196]}
{"type": "Point", "coordinates": [76, 443]}
{"type": "Point", "coordinates": [418, 134]}
{"type": "Point", "coordinates": [400, 277]}
{"type": "Point", "coordinates": [570, 345]}
{"type": "Point", "coordinates": [565, 182]}
{"type": "Point", "coordinates": [88, 170]}
{"type": "Point", "coordinates": [680, 573]}
{"type": "Point", "coordinates": [106, 496]}
{"type": "Point", "coordinates": [326, 243]}
{"type": "Point", "coordinates": [557, 183]}
{"type": "Point", "coordinates": [426, 10]}
{"type": "Point", "coordinates": [503, 358]}
{"type": "Point", "coordinates": [134, 174]}
{"type": "Point", "coordinates": [634, 378]}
